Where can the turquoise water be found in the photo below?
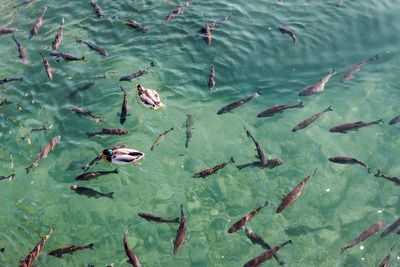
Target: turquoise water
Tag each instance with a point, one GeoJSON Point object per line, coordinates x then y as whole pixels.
{"type": "Point", "coordinates": [249, 54]}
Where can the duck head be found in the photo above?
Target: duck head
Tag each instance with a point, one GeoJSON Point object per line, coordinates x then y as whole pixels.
{"type": "Point", "coordinates": [107, 154]}
{"type": "Point", "coordinates": [139, 88]}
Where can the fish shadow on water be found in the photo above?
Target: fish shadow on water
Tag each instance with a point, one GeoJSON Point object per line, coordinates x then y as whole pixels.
{"type": "Point", "coordinates": [304, 230]}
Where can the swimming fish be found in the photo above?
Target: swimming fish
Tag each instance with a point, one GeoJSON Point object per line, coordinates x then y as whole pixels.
{"type": "Point", "coordinates": [394, 120]}
{"type": "Point", "coordinates": [155, 218]}
{"type": "Point", "coordinates": [391, 228]}
{"type": "Point", "coordinates": [58, 39]}
{"type": "Point", "coordinates": [160, 138]}
{"type": "Point", "coordinates": [245, 219]}
{"type": "Point", "coordinates": [257, 240]}
{"type": "Point", "coordinates": [317, 87]}
{"type": "Point", "coordinates": [124, 108]}
{"type": "Point", "coordinates": [71, 249]}
{"type": "Point", "coordinates": [89, 192]}
{"type": "Point", "coordinates": [266, 255]}
{"type": "Point", "coordinates": [46, 150]}
{"type": "Point", "coordinates": [348, 160]}
{"type": "Point", "coordinates": [21, 50]}
{"type": "Point", "coordinates": [7, 80]}
{"type": "Point", "coordinates": [91, 175]}
{"type": "Point", "coordinates": [278, 109]}
{"type": "Point", "coordinates": [181, 233]}
{"type": "Point", "coordinates": [208, 28]}
{"type": "Point", "coordinates": [290, 32]}
{"type": "Point", "coordinates": [130, 77]}
{"type": "Point", "coordinates": [108, 131]}
{"type": "Point", "coordinates": [86, 113]}
{"type": "Point", "coordinates": [38, 23]}
{"type": "Point", "coordinates": [46, 127]}
{"type": "Point", "coordinates": [7, 30]}
{"type": "Point", "coordinates": [211, 78]}
{"type": "Point", "coordinates": [269, 163]}
{"type": "Point", "coordinates": [65, 57]}
{"type": "Point", "coordinates": [47, 67]}
{"type": "Point", "coordinates": [260, 151]}
{"type": "Point", "coordinates": [177, 11]}
{"type": "Point", "coordinates": [353, 126]}
{"type": "Point", "coordinates": [237, 103]}
{"type": "Point", "coordinates": [302, 230]}
{"type": "Point", "coordinates": [97, 9]}
{"type": "Point", "coordinates": [8, 177]}
{"type": "Point", "coordinates": [93, 46]}
{"type": "Point", "coordinates": [205, 172]}
{"type": "Point", "coordinates": [356, 67]}
{"type": "Point", "coordinates": [310, 120]}
{"type": "Point", "coordinates": [132, 258]}
{"type": "Point", "coordinates": [395, 180]}
{"type": "Point", "coordinates": [364, 235]}
{"type": "Point", "coordinates": [294, 194]}
{"type": "Point", "coordinates": [136, 25]}
{"type": "Point", "coordinates": [24, 3]}
{"type": "Point", "coordinates": [84, 87]}
{"type": "Point", "coordinates": [386, 260]}
{"type": "Point", "coordinates": [189, 129]}
{"type": "Point", "coordinates": [34, 253]}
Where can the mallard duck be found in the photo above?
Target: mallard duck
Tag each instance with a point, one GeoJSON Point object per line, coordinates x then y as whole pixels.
{"type": "Point", "coordinates": [121, 156]}
{"type": "Point", "coordinates": [149, 97]}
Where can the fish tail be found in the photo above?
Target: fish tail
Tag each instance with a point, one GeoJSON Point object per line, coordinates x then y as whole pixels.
{"type": "Point", "coordinates": [152, 64]}
{"type": "Point", "coordinates": [378, 173]}
{"type": "Point", "coordinates": [265, 204]}
{"type": "Point", "coordinates": [240, 167]}
{"type": "Point", "coordinates": [28, 168]}
{"type": "Point", "coordinates": [176, 220]}
{"type": "Point", "coordinates": [90, 134]}
{"type": "Point", "coordinates": [12, 177]}
{"type": "Point", "coordinates": [373, 58]}
{"type": "Point", "coordinates": [90, 246]}
{"type": "Point", "coordinates": [369, 170]}
{"type": "Point", "coordinates": [79, 41]}
{"type": "Point", "coordinates": [257, 93]}
{"type": "Point", "coordinates": [328, 109]}
{"type": "Point", "coordinates": [300, 105]}
{"type": "Point", "coordinates": [333, 72]}
{"type": "Point", "coordinates": [82, 58]}
{"type": "Point", "coordinates": [231, 160]}
{"type": "Point", "coordinates": [378, 121]}
{"type": "Point", "coordinates": [109, 195]}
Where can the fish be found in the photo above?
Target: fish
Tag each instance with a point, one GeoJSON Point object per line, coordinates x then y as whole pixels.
{"type": "Point", "coordinates": [7, 177]}
{"type": "Point", "coordinates": [136, 25]}
{"type": "Point", "coordinates": [394, 120]}
{"type": "Point", "coordinates": [266, 255]}
{"type": "Point", "coordinates": [278, 109]}
{"type": "Point", "coordinates": [177, 11]}
{"type": "Point", "coordinates": [189, 129]}
{"type": "Point", "coordinates": [386, 260]}
{"type": "Point", "coordinates": [353, 126]}
{"type": "Point", "coordinates": [21, 50]}
{"type": "Point", "coordinates": [205, 172]}
{"type": "Point", "coordinates": [160, 138]}
{"type": "Point", "coordinates": [181, 233]}
{"type": "Point", "coordinates": [260, 151]}
{"type": "Point", "coordinates": [269, 163]}
{"type": "Point", "coordinates": [317, 87]}
{"type": "Point", "coordinates": [124, 108]}
{"type": "Point", "coordinates": [46, 150]}
{"type": "Point", "coordinates": [58, 39]}
{"type": "Point", "coordinates": [130, 77]}
{"type": "Point", "coordinates": [208, 28]}
{"type": "Point", "coordinates": [395, 180]}
{"type": "Point", "coordinates": [108, 131]}
{"type": "Point", "coordinates": [391, 228]}
{"type": "Point", "coordinates": [257, 240]}
{"type": "Point", "coordinates": [4, 31]}
{"type": "Point", "coordinates": [26, 2]}
{"type": "Point", "coordinates": [71, 249]}
{"type": "Point", "coordinates": [84, 87]}
{"type": "Point", "coordinates": [4, 101]}
{"type": "Point", "coordinates": [155, 218]}
{"type": "Point", "coordinates": [34, 253]}
{"type": "Point", "coordinates": [7, 80]}
{"type": "Point", "coordinates": [90, 175]}
{"type": "Point", "coordinates": [290, 32]}
{"type": "Point", "coordinates": [245, 219]}
{"type": "Point", "coordinates": [364, 235]}
{"type": "Point", "coordinates": [65, 57]}
{"type": "Point", "coordinates": [132, 258]}
{"type": "Point", "coordinates": [86, 113]}
{"type": "Point", "coordinates": [238, 103]}
{"type": "Point", "coordinates": [348, 160]}
{"type": "Point", "coordinates": [89, 192]}
{"type": "Point", "coordinates": [46, 127]}
{"type": "Point", "coordinates": [211, 78]}
{"type": "Point", "coordinates": [47, 67]}
{"type": "Point", "coordinates": [93, 46]}
{"type": "Point", "coordinates": [99, 11]}
{"type": "Point", "coordinates": [310, 120]}
{"type": "Point", "coordinates": [356, 67]}
{"type": "Point", "coordinates": [294, 194]}
{"type": "Point", "coordinates": [35, 29]}
{"type": "Point", "coordinates": [304, 229]}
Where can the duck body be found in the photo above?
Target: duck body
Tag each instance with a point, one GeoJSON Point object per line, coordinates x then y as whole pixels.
{"type": "Point", "coordinates": [149, 97]}
{"type": "Point", "coordinates": [122, 156]}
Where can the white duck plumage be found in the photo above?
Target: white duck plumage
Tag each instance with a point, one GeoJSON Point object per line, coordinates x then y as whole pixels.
{"type": "Point", "coordinates": [149, 97]}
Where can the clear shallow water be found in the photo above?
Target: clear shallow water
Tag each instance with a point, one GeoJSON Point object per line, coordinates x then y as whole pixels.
{"type": "Point", "coordinates": [249, 54]}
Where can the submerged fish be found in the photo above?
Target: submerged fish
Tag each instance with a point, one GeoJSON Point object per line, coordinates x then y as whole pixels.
{"type": "Point", "coordinates": [24, 3]}
{"type": "Point", "coordinates": [124, 108]}
{"type": "Point", "coordinates": [278, 109]}
{"type": "Point", "coordinates": [136, 25]}
{"type": "Point", "coordinates": [86, 113]}
{"type": "Point", "coordinates": [364, 235]}
{"type": "Point", "coordinates": [21, 50]}
{"type": "Point", "coordinates": [71, 249]}
{"type": "Point", "coordinates": [97, 9]}
{"type": "Point", "coordinates": [181, 233]}
{"type": "Point", "coordinates": [92, 175]}
{"type": "Point", "coordinates": [319, 86]}
{"type": "Point", "coordinates": [238, 103]}
{"type": "Point", "coordinates": [58, 39]}
{"type": "Point", "coordinates": [386, 260]}
{"type": "Point", "coordinates": [257, 240]}
{"type": "Point", "coordinates": [160, 138]}
{"type": "Point", "coordinates": [7, 80]}
{"type": "Point", "coordinates": [245, 219]}
{"type": "Point", "coordinates": [130, 77]}
{"type": "Point", "coordinates": [34, 253]}
{"type": "Point", "coordinates": [290, 32]}
{"type": "Point", "coordinates": [93, 46]}
{"type": "Point", "coordinates": [89, 192]}
{"type": "Point", "coordinates": [205, 172]}
{"type": "Point", "coordinates": [8, 177]}
{"type": "Point", "coordinates": [211, 78]}
{"type": "Point", "coordinates": [177, 11]}
{"type": "Point", "coordinates": [7, 30]}
{"type": "Point", "coordinates": [132, 258]}
{"type": "Point", "coordinates": [266, 255]}
{"type": "Point", "coordinates": [353, 126]}
{"type": "Point", "coordinates": [38, 23]}
{"type": "Point", "coordinates": [395, 180]}
{"type": "Point", "coordinates": [260, 151]}
{"type": "Point", "coordinates": [304, 229]}
{"type": "Point", "coordinates": [310, 120]}
{"type": "Point", "coordinates": [46, 127]}
{"type": "Point", "coordinates": [47, 67]}
{"type": "Point", "coordinates": [269, 163]}
{"type": "Point", "coordinates": [206, 30]}
{"type": "Point", "coordinates": [108, 131]}
{"type": "Point", "coordinates": [189, 129]}
{"type": "Point", "coordinates": [46, 150]}
{"type": "Point", "coordinates": [65, 57]}
{"type": "Point", "coordinates": [294, 194]}
{"type": "Point", "coordinates": [155, 218]}
{"type": "Point", "coordinates": [391, 228]}
{"type": "Point", "coordinates": [394, 120]}
{"type": "Point", "coordinates": [348, 160]}
{"type": "Point", "coordinates": [84, 87]}
{"type": "Point", "coordinates": [356, 67]}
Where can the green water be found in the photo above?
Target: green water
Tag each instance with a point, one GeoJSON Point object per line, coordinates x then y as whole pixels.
{"type": "Point", "coordinates": [249, 54]}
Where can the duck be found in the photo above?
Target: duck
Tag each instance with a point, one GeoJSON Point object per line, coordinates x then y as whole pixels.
{"type": "Point", "coordinates": [121, 156]}
{"type": "Point", "coordinates": [149, 97]}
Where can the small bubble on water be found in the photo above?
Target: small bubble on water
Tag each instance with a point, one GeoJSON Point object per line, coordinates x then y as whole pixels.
{"type": "Point", "coordinates": [269, 28]}
{"type": "Point", "coordinates": [398, 258]}
{"type": "Point", "coordinates": [222, 257]}
{"type": "Point", "coordinates": [361, 247]}
{"type": "Point", "coordinates": [328, 190]}
{"type": "Point", "coordinates": [380, 211]}
{"type": "Point", "coordinates": [362, 258]}
{"type": "Point", "coordinates": [294, 69]}
{"type": "Point", "coordinates": [229, 220]}
{"type": "Point", "coordinates": [182, 166]}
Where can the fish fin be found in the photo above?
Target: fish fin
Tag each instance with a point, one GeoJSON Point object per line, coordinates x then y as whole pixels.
{"type": "Point", "coordinates": [110, 195]}
{"type": "Point", "coordinates": [378, 173]}
{"type": "Point", "coordinates": [28, 168]}
{"type": "Point", "coordinates": [369, 170]}
{"type": "Point", "coordinates": [231, 160]}
{"type": "Point", "coordinates": [116, 170]}
{"type": "Point", "coordinates": [328, 109]}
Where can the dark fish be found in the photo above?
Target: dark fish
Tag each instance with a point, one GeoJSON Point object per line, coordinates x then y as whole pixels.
{"type": "Point", "coordinates": [205, 172]}
{"type": "Point", "coordinates": [130, 77]}
{"type": "Point", "coordinates": [124, 109]}
{"type": "Point", "coordinates": [364, 235]}
{"type": "Point", "coordinates": [353, 126]}
{"type": "Point", "coordinates": [132, 258]}
{"type": "Point", "coordinates": [47, 67]}
{"type": "Point", "coordinates": [4, 101]}
{"type": "Point", "coordinates": [160, 138]}
{"type": "Point", "coordinates": [395, 180]}
{"type": "Point", "coordinates": [391, 228]}
{"type": "Point", "coordinates": [304, 229]}
{"type": "Point", "coordinates": [65, 57]}
{"type": "Point", "coordinates": [386, 260]}
{"type": "Point", "coordinates": [24, 3]}
{"type": "Point", "coordinates": [211, 78]}
{"type": "Point", "coordinates": [189, 129]}
{"type": "Point", "coordinates": [290, 32]}
{"type": "Point", "coordinates": [21, 50]}
{"type": "Point", "coordinates": [348, 160]}
{"type": "Point", "coordinates": [7, 30]}
{"type": "Point", "coordinates": [71, 249]}
{"type": "Point", "coordinates": [28, 261]}
{"type": "Point", "coordinates": [97, 9]}
{"type": "Point", "coordinates": [58, 39]}
{"type": "Point", "coordinates": [46, 150]}
{"type": "Point", "coordinates": [38, 23]}
{"type": "Point", "coordinates": [93, 46]}
{"type": "Point", "coordinates": [278, 109]}
{"type": "Point", "coordinates": [260, 151]}
{"type": "Point", "coordinates": [136, 25]}
{"type": "Point", "coordinates": [356, 67]}
{"type": "Point", "coordinates": [245, 219]}
{"type": "Point", "coordinates": [294, 194]}
{"type": "Point", "coordinates": [177, 11]}
{"type": "Point", "coordinates": [317, 87]}
{"type": "Point", "coordinates": [266, 255]}
{"type": "Point", "coordinates": [46, 127]}
{"type": "Point", "coordinates": [84, 87]}
{"type": "Point", "coordinates": [238, 103]}
{"type": "Point", "coordinates": [89, 192]}
{"type": "Point", "coordinates": [394, 120]}
{"type": "Point", "coordinates": [108, 131]}
{"type": "Point", "coordinates": [9, 177]}
{"type": "Point", "coordinates": [155, 218]}
{"type": "Point", "coordinates": [181, 233]}
{"type": "Point", "coordinates": [210, 27]}
{"type": "Point", "coordinates": [269, 163]}
{"type": "Point", "coordinates": [92, 175]}
{"type": "Point", "coordinates": [7, 80]}
{"type": "Point", "coordinates": [310, 120]}
{"type": "Point", "coordinates": [86, 113]}
{"type": "Point", "coordinates": [257, 240]}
